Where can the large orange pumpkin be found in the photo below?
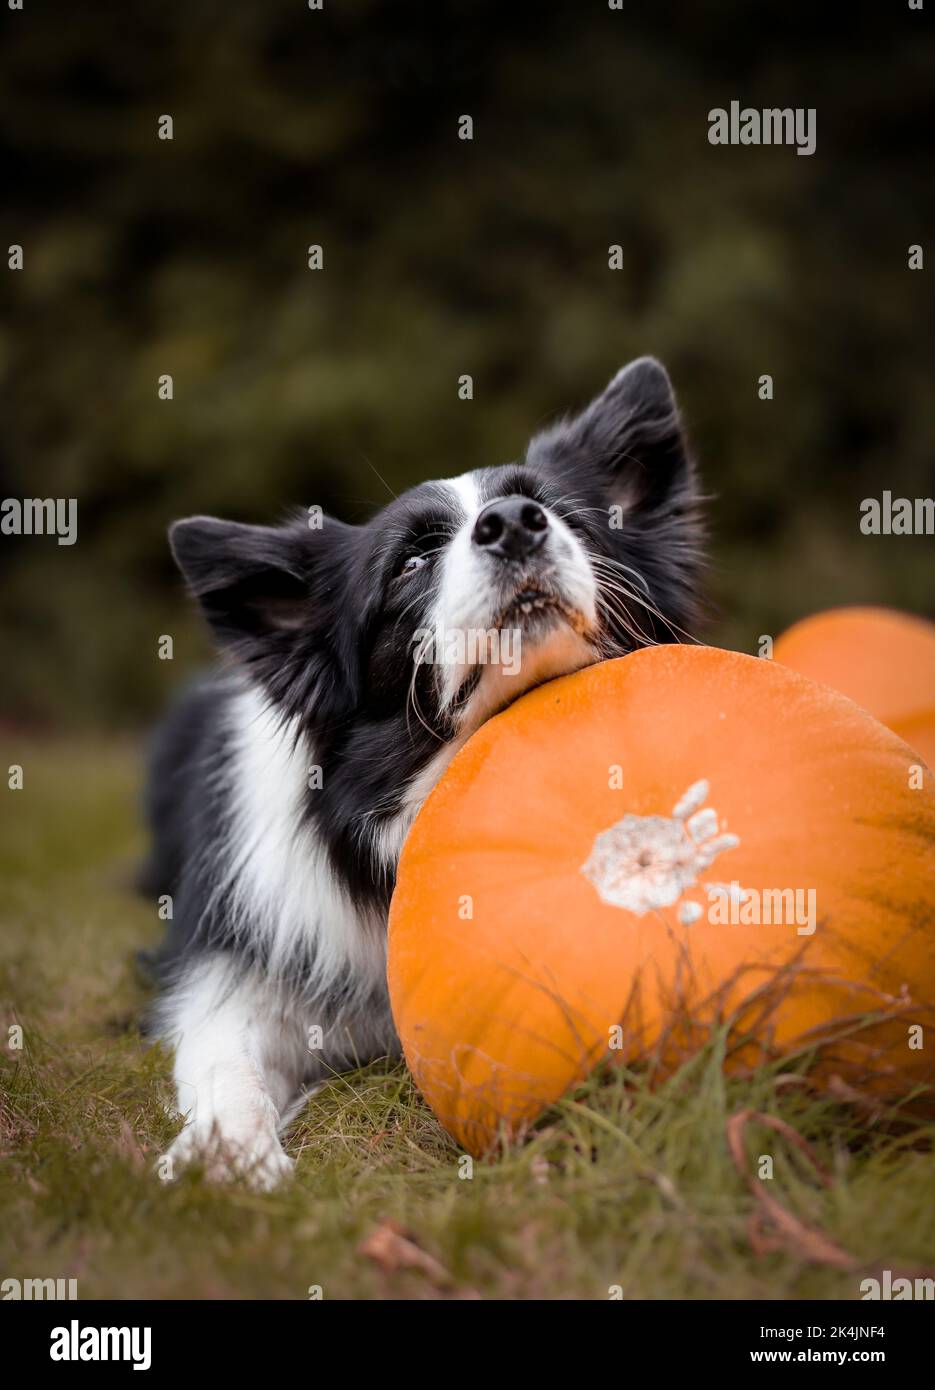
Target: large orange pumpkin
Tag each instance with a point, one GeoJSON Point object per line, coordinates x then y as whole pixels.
{"type": "Point", "coordinates": [883, 659]}
{"type": "Point", "coordinates": [579, 866]}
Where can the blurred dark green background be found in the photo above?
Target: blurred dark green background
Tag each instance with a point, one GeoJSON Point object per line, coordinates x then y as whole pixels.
{"type": "Point", "coordinates": [445, 257]}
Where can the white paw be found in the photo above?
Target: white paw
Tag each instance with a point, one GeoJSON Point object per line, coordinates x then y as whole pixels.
{"type": "Point", "coordinates": [255, 1157]}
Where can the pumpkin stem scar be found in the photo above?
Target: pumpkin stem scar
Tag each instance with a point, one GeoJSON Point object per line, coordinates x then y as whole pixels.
{"type": "Point", "coordinates": [643, 863]}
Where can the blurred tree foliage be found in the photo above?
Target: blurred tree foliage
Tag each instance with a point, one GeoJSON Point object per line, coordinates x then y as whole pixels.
{"type": "Point", "coordinates": [442, 257]}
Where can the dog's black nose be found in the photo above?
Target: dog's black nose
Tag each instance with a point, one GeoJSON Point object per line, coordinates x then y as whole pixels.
{"type": "Point", "coordinates": [512, 527]}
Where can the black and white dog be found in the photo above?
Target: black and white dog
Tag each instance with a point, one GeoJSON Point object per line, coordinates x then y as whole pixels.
{"type": "Point", "coordinates": [282, 790]}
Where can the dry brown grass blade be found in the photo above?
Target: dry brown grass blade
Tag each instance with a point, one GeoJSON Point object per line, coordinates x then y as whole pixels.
{"type": "Point", "coordinates": [865, 1106]}
{"type": "Point", "coordinates": [790, 1233]}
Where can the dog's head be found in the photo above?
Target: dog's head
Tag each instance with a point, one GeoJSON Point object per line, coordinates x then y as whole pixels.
{"type": "Point", "coordinates": [461, 594]}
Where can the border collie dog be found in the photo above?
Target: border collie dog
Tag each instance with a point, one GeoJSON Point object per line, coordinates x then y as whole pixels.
{"type": "Point", "coordinates": [281, 790]}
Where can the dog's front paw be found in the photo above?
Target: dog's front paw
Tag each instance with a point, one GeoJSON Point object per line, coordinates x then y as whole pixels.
{"type": "Point", "coordinates": [256, 1158]}
{"type": "Point", "coordinates": [264, 1164]}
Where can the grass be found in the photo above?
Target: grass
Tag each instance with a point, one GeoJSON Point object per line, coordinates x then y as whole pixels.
{"type": "Point", "coordinates": [624, 1184]}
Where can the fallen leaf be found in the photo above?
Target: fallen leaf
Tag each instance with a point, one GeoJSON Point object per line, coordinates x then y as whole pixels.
{"type": "Point", "coordinates": [393, 1248]}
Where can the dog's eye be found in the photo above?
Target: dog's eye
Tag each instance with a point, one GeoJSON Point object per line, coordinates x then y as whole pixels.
{"type": "Point", "coordinates": [412, 563]}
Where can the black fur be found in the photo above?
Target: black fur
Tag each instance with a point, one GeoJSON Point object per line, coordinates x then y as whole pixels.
{"type": "Point", "coordinates": [320, 621]}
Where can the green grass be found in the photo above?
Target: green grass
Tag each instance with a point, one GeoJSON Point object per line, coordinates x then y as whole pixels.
{"type": "Point", "coordinates": [623, 1184]}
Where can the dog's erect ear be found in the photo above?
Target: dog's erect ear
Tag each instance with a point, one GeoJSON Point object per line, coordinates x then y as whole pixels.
{"type": "Point", "coordinates": [253, 582]}
{"type": "Point", "coordinates": [629, 439]}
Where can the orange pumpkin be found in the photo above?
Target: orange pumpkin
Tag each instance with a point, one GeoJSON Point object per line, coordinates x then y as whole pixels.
{"type": "Point", "coordinates": [882, 659]}
{"type": "Point", "coordinates": [575, 886]}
